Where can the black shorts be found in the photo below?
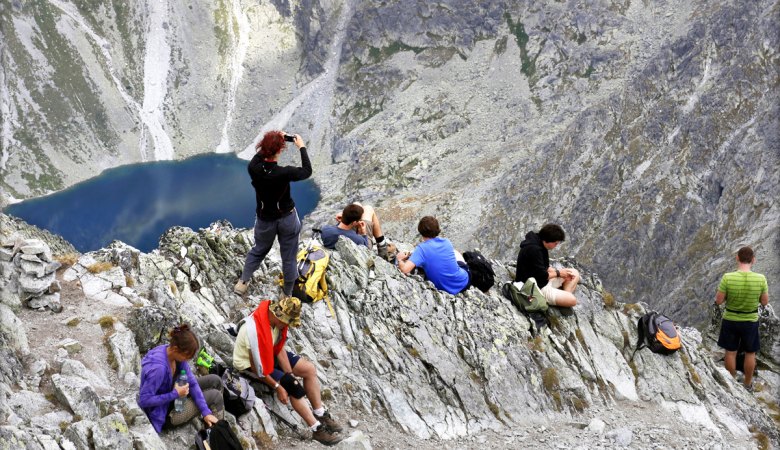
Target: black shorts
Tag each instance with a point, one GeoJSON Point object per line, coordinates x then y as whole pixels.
{"type": "Point", "coordinates": [739, 336]}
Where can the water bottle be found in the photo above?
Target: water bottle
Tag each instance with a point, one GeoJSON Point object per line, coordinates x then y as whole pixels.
{"type": "Point", "coordinates": [181, 380]}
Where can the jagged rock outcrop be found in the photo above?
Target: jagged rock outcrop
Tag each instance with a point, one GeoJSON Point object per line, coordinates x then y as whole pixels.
{"type": "Point", "coordinates": [436, 366]}
{"type": "Point", "coordinates": [651, 127]}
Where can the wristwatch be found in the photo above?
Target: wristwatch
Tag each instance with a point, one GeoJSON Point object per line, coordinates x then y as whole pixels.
{"type": "Point", "coordinates": [557, 273]}
{"type": "Point", "coordinates": [276, 386]}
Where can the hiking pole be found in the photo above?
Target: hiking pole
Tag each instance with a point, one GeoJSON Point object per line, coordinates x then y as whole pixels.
{"type": "Point", "coordinates": [292, 426]}
{"type": "Point", "coordinates": [255, 380]}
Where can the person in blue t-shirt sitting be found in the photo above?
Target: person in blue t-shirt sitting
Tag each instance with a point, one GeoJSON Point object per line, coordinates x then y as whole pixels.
{"type": "Point", "coordinates": [437, 257]}
{"type": "Point", "coordinates": [359, 224]}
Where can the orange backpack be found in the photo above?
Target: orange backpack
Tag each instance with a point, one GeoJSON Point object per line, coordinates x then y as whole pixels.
{"type": "Point", "coordinates": [658, 333]}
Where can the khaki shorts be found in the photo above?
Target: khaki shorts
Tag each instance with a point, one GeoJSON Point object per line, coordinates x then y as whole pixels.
{"type": "Point", "coordinates": [552, 289]}
{"type": "Point", "coordinates": [368, 214]}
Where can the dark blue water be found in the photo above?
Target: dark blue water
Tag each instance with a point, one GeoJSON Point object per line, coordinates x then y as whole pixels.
{"type": "Point", "coordinates": [137, 203]}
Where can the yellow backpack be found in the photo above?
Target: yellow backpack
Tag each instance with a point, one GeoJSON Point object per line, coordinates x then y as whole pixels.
{"type": "Point", "coordinates": [311, 286]}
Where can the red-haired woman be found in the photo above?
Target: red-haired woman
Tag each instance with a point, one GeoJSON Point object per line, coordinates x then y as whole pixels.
{"type": "Point", "coordinates": [276, 216]}
{"type": "Point", "coordinates": [159, 370]}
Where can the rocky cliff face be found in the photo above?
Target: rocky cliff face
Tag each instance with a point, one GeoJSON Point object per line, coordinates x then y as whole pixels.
{"type": "Point", "coordinates": [433, 366]}
{"type": "Point", "coordinates": [649, 130]}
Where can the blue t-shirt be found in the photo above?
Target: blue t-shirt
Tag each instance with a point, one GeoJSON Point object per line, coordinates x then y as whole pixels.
{"type": "Point", "coordinates": [330, 235]}
{"type": "Point", "coordinates": [437, 258]}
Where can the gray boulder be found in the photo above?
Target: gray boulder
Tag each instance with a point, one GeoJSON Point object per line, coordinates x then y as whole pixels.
{"type": "Point", "coordinates": [27, 404]}
{"type": "Point", "coordinates": [111, 432]}
{"type": "Point", "coordinates": [78, 395]}
{"type": "Point", "coordinates": [124, 350]}
{"type": "Point", "coordinates": [12, 332]}
{"type": "Point", "coordinates": [80, 434]}
{"type": "Point", "coordinates": [150, 326]}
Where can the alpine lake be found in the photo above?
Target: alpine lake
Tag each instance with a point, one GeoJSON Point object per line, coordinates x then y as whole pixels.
{"type": "Point", "coordinates": [137, 203]}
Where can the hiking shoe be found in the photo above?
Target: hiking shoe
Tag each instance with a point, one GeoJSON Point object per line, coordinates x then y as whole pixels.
{"type": "Point", "coordinates": [751, 388]}
{"type": "Point", "coordinates": [391, 253]}
{"type": "Point", "coordinates": [381, 249]}
{"type": "Point", "coordinates": [240, 288]}
{"type": "Point", "coordinates": [329, 422]}
{"type": "Point", "coordinates": [325, 436]}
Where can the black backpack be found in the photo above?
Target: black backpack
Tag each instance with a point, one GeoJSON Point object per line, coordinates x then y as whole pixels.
{"type": "Point", "coordinates": [482, 276]}
{"type": "Point", "coordinates": [218, 437]}
{"type": "Point", "coordinates": [658, 333]}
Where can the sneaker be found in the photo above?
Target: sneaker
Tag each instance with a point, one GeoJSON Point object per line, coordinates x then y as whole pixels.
{"type": "Point", "coordinates": [325, 436]}
{"type": "Point", "coordinates": [390, 252]}
{"type": "Point", "coordinates": [381, 249]}
{"type": "Point", "coordinates": [751, 388]}
{"type": "Point", "coordinates": [329, 422]}
{"type": "Point", "coordinates": [240, 288]}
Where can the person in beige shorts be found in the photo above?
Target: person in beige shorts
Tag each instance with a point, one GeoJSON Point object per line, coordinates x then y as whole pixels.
{"type": "Point", "coordinates": [533, 261]}
{"type": "Point", "coordinates": [559, 291]}
{"type": "Point", "coordinates": [370, 227]}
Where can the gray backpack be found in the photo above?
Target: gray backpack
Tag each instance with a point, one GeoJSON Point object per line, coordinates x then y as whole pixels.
{"type": "Point", "coordinates": [238, 395]}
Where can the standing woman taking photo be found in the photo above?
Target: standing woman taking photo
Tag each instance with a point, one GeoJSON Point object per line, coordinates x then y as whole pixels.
{"type": "Point", "coordinates": [276, 216]}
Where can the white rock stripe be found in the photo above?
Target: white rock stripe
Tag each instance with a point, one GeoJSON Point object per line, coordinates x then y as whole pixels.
{"type": "Point", "coordinates": [6, 133]}
{"type": "Point", "coordinates": [104, 47]}
{"type": "Point", "coordinates": [240, 42]}
{"type": "Point", "coordinates": [157, 62]}
{"type": "Point", "coordinates": [318, 93]}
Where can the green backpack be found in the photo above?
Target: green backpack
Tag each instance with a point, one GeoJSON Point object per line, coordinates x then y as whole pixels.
{"type": "Point", "coordinates": [528, 299]}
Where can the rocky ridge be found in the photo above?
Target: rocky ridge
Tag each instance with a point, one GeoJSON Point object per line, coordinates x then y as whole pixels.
{"type": "Point", "coordinates": [652, 126]}
{"type": "Point", "coordinates": [434, 366]}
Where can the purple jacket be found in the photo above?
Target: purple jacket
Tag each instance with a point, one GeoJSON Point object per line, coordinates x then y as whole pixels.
{"type": "Point", "coordinates": [157, 390]}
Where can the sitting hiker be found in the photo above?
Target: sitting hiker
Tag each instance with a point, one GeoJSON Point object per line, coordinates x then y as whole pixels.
{"type": "Point", "coordinates": [259, 348]}
{"type": "Point", "coordinates": [534, 261]}
{"type": "Point", "coordinates": [159, 370]}
{"type": "Point", "coordinates": [436, 256]}
{"type": "Point", "coordinates": [358, 223]}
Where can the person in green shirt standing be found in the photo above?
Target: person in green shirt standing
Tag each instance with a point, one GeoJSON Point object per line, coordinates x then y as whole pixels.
{"type": "Point", "coordinates": [742, 291]}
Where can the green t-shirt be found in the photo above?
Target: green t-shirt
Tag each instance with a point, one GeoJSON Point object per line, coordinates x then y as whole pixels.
{"type": "Point", "coordinates": [743, 290]}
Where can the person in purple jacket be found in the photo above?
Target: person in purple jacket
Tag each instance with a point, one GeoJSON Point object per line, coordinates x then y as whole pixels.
{"type": "Point", "coordinates": [159, 370]}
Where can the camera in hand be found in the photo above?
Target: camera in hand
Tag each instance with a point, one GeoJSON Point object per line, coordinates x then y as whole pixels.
{"type": "Point", "coordinates": [289, 138]}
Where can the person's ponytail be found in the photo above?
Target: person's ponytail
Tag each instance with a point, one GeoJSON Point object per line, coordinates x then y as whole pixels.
{"type": "Point", "coordinates": [184, 339]}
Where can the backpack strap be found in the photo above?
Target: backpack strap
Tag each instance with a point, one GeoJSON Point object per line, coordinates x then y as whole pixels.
{"type": "Point", "coordinates": [641, 341]}
{"type": "Point", "coordinates": [741, 312]}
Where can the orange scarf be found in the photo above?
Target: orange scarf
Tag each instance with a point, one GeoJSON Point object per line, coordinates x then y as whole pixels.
{"type": "Point", "coordinates": [265, 339]}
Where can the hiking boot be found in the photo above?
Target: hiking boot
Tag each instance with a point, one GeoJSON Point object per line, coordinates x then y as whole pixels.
{"type": "Point", "coordinates": [391, 253]}
{"type": "Point", "coordinates": [381, 249]}
{"type": "Point", "coordinates": [240, 288]}
{"type": "Point", "coordinates": [325, 436]}
{"type": "Point", "coordinates": [329, 422]}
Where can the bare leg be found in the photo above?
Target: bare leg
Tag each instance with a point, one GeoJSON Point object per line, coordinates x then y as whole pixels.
{"type": "Point", "coordinates": [730, 362]}
{"type": "Point", "coordinates": [306, 370]}
{"type": "Point", "coordinates": [749, 367]}
{"type": "Point", "coordinates": [301, 406]}
{"type": "Point", "coordinates": [370, 215]}
{"type": "Point", "coordinates": [570, 284]}
{"type": "Point", "coordinates": [565, 299]}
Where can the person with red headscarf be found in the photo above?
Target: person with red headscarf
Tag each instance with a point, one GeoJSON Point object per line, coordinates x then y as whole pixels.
{"type": "Point", "coordinates": [276, 216]}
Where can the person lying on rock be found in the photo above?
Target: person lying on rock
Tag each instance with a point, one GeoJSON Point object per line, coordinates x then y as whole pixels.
{"type": "Point", "coordinates": [259, 348]}
{"type": "Point", "coordinates": [361, 225]}
{"type": "Point", "coordinates": [159, 370]}
{"type": "Point", "coordinates": [276, 216]}
{"type": "Point", "coordinates": [443, 265]}
{"type": "Point", "coordinates": [533, 260]}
